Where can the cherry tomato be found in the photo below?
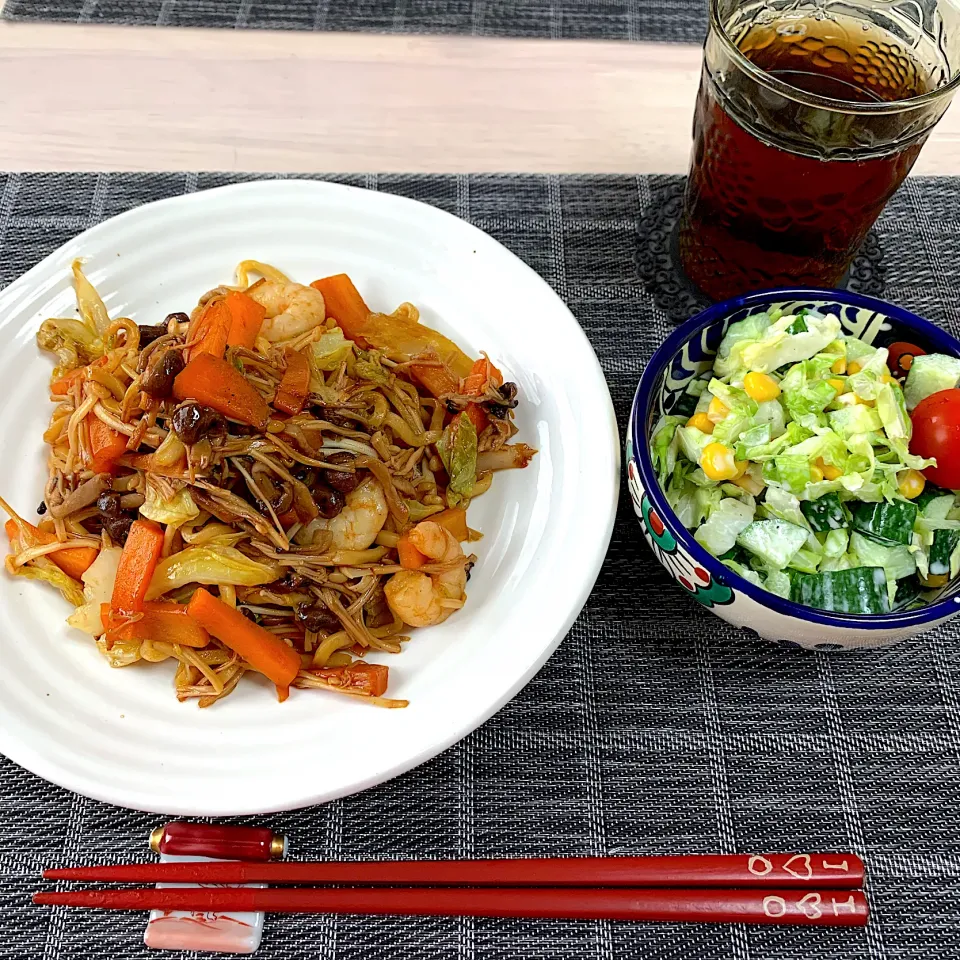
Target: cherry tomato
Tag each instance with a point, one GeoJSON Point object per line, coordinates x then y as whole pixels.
{"type": "Point", "coordinates": [936, 433]}
{"type": "Point", "coordinates": [901, 357]}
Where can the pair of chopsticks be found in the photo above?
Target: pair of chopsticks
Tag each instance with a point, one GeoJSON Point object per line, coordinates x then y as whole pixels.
{"type": "Point", "coordinates": [806, 889]}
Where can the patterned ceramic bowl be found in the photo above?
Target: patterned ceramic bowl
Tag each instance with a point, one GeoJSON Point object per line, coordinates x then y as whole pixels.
{"type": "Point", "coordinates": [688, 354]}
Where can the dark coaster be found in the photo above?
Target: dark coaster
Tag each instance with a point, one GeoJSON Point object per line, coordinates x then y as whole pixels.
{"type": "Point", "coordinates": [658, 259]}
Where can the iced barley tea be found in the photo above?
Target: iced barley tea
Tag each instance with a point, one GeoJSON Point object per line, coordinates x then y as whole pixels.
{"type": "Point", "coordinates": [783, 188]}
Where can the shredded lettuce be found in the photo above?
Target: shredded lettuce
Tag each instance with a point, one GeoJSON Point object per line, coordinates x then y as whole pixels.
{"type": "Point", "coordinates": [664, 446]}
{"type": "Point", "coordinates": [831, 430]}
{"type": "Point", "coordinates": [692, 441]}
{"type": "Point", "coordinates": [858, 418]}
{"type": "Point", "coordinates": [745, 572]}
{"type": "Point", "coordinates": [775, 347]}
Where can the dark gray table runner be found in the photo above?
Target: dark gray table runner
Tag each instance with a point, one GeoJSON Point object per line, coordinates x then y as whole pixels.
{"type": "Point", "coordinates": [672, 20]}
{"type": "Point", "coordinates": [654, 728]}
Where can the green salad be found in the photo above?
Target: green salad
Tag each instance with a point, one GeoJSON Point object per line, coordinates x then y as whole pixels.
{"type": "Point", "coordinates": [793, 465]}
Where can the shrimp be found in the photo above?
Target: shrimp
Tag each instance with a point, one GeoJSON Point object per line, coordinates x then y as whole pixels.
{"type": "Point", "coordinates": [292, 309]}
{"type": "Point", "coordinates": [362, 518]}
{"type": "Point", "coordinates": [420, 599]}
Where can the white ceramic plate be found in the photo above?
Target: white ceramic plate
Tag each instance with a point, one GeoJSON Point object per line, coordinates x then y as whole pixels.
{"type": "Point", "coordinates": [120, 735]}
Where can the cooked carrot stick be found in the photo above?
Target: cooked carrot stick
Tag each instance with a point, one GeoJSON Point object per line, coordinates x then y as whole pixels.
{"type": "Point", "coordinates": [344, 303]}
{"type": "Point", "coordinates": [73, 562]}
{"type": "Point", "coordinates": [61, 387]}
{"type": "Point", "coordinates": [295, 385]}
{"type": "Point", "coordinates": [220, 385]}
{"type": "Point", "coordinates": [262, 650]}
{"type": "Point", "coordinates": [478, 417]}
{"type": "Point", "coordinates": [410, 557]}
{"type": "Point", "coordinates": [209, 330]}
{"type": "Point", "coordinates": [137, 564]}
{"type": "Point", "coordinates": [106, 445]}
{"type": "Point", "coordinates": [160, 622]}
{"type": "Point", "coordinates": [435, 378]}
{"type": "Point", "coordinates": [246, 318]}
{"type": "Point", "coordinates": [454, 520]}
{"type": "Point", "coordinates": [288, 519]}
{"type": "Point", "coordinates": [369, 679]}
{"type": "Point", "coordinates": [483, 370]}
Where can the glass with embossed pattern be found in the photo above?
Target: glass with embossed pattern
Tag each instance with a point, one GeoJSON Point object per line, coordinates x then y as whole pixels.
{"type": "Point", "coordinates": [809, 116]}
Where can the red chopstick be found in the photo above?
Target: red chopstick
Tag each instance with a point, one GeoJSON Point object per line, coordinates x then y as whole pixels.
{"type": "Point", "coordinates": [780, 870]}
{"type": "Point", "coordinates": [832, 908]}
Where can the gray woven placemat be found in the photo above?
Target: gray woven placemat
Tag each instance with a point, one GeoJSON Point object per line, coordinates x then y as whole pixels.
{"type": "Point", "coordinates": [672, 20]}
{"type": "Point", "coordinates": [654, 728]}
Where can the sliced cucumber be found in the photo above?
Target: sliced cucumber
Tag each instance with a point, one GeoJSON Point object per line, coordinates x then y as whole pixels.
{"type": "Point", "coordinates": [930, 493]}
{"type": "Point", "coordinates": [726, 522]}
{"type": "Point", "coordinates": [859, 590]}
{"type": "Point", "coordinates": [826, 513]}
{"type": "Point", "coordinates": [897, 561]}
{"type": "Point", "coordinates": [937, 507]}
{"type": "Point", "coordinates": [889, 523]}
{"type": "Point", "coordinates": [945, 543]}
{"type": "Point", "coordinates": [775, 542]}
{"type": "Point", "coordinates": [929, 374]}
{"type": "Point", "coordinates": [806, 561]}
{"type": "Point", "coordinates": [685, 405]}
{"type": "Point", "coordinates": [908, 591]}
{"type": "Point", "coordinates": [737, 555]}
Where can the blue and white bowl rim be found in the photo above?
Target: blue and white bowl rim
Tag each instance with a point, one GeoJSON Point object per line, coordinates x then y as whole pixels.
{"type": "Point", "coordinates": [659, 362]}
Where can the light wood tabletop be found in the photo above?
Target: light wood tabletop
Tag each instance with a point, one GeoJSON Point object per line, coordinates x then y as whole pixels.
{"type": "Point", "coordinates": [90, 97]}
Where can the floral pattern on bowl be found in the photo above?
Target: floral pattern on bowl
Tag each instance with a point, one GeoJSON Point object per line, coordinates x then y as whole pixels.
{"type": "Point", "coordinates": [688, 354]}
{"type": "Point", "coordinates": [699, 583]}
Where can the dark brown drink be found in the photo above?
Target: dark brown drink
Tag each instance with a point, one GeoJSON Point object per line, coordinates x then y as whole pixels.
{"type": "Point", "coordinates": [783, 191]}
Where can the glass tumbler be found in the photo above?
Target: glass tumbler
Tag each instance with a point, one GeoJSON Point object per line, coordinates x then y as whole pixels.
{"type": "Point", "coordinates": [808, 118]}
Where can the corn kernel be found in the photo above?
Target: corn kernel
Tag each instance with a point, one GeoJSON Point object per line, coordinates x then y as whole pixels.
{"type": "Point", "coordinates": [911, 483]}
{"type": "Point", "coordinates": [816, 474]}
{"type": "Point", "coordinates": [718, 410]}
{"type": "Point", "coordinates": [702, 422]}
{"type": "Point", "coordinates": [839, 366]}
{"type": "Point", "coordinates": [838, 384]}
{"type": "Point", "coordinates": [886, 378]}
{"type": "Point", "coordinates": [829, 471]}
{"type": "Point", "coordinates": [866, 403]}
{"type": "Point", "coordinates": [854, 368]}
{"type": "Point", "coordinates": [741, 466]}
{"type": "Point", "coordinates": [718, 462]}
{"type": "Point", "coordinates": [761, 387]}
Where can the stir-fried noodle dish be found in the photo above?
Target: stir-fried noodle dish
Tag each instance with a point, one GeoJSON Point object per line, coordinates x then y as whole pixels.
{"type": "Point", "coordinates": [276, 483]}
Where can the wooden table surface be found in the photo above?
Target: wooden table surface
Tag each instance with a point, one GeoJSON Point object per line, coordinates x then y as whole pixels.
{"type": "Point", "coordinates": [127, 98]}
